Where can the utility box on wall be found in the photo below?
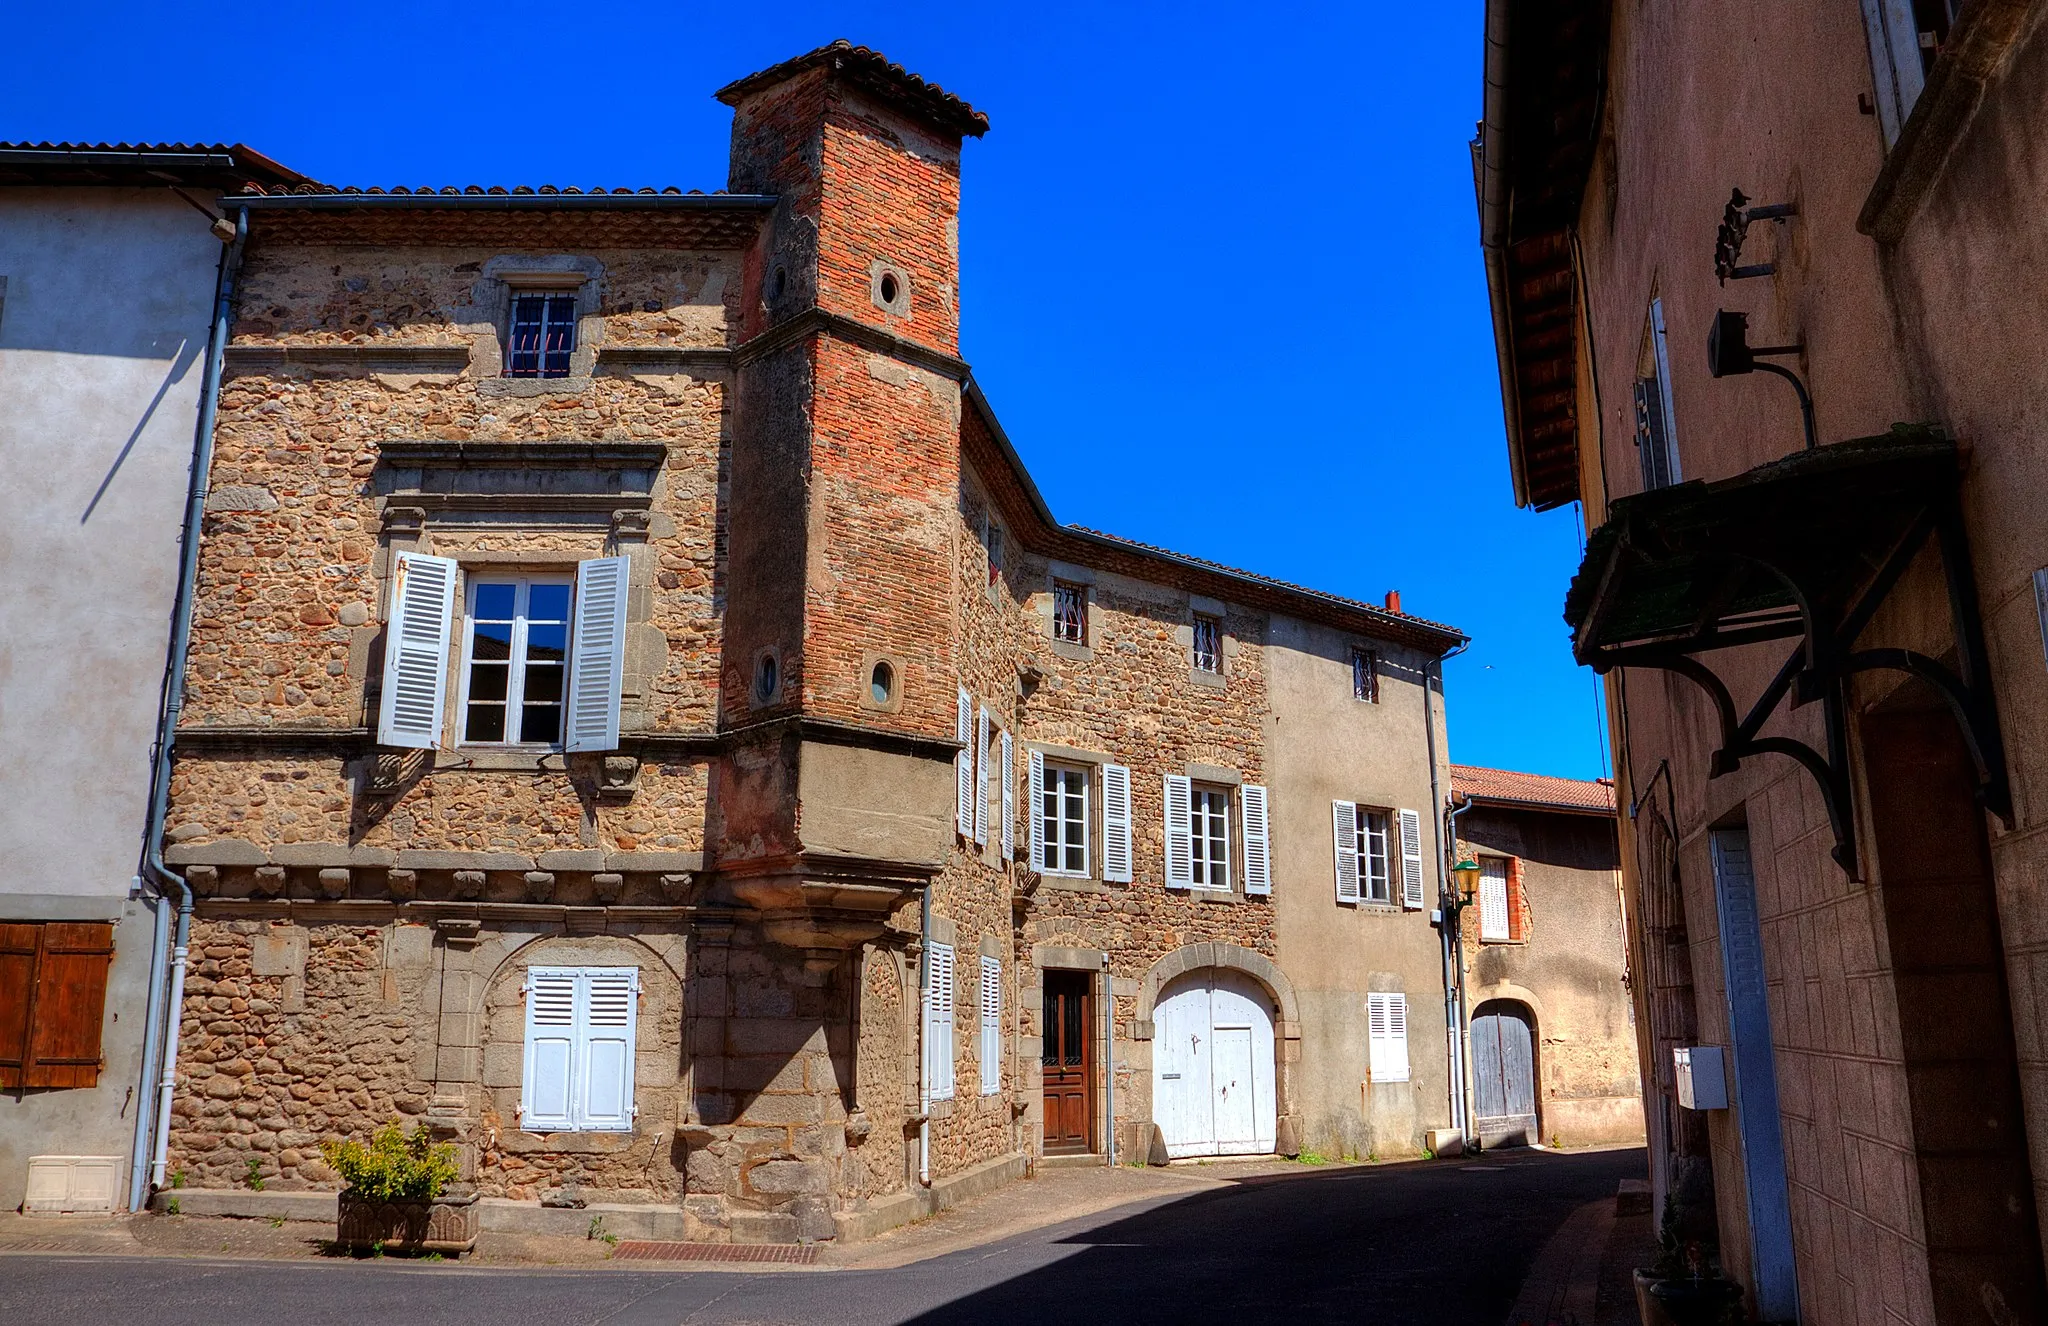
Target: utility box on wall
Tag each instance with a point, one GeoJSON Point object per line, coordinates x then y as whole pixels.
{"type": "Point", "coordinates": [73, 1185]}
{"type": "Point", "coordinates": [1702, 1081]}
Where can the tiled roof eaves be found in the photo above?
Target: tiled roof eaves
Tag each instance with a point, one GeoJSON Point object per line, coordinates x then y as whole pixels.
{"type": "Point", "coordinates": [872, 69]}
{"type": "Point", "coordinates": [1526, 803]}
{"type": "Point", "coordinates": [163, 163]}
{"type": "Point", "coordinates": [1420, 631]}
{"type": "Point", "coordinates": [532, 202]}
{"type": "Point", "coordinates": [1513, 788]}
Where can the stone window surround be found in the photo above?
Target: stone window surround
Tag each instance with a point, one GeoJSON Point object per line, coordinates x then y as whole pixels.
{"type": "Point", "coordinates": [900, 305]}
{"type": "Point", "coordinates": [410, 531]}
{"type": "Point", "coordinates": [1083, 578]}
{"type": "Point", "coordinates": [1092, 762]}
{"type": "Point", "coordinates": [506, 275]}
{"type": "Point", "coordinates": [1200, 606]}
{"type": "Point", "coordinates": [865, 690]}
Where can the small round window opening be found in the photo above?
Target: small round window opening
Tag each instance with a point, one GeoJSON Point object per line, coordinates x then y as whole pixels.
{"type": "Point", "coordinates": [767, 677]}
{"type": "Point", "coordinates": [889, 288]}
{"type": "Point", "coordinates": [882, 683]}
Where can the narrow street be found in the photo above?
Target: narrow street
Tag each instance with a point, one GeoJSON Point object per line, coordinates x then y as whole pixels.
{"type": "Point", "coordinates": [1443, 1243]}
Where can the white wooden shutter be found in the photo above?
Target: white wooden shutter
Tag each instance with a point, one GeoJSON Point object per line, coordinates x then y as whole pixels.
{"type": "Point", "coordinates": [1180, 832]}
{"type": "Point", "coordinates": [981, 778]}
{"type": "Point", "coordinates": [603, 1099]}
{"type": "Point", "coordinates": [416, 651]}
{"type": "Point", "coordinates": [597, 654]}
{"type": "Point", "coordinates": [1116, 824]}
{"type": "Point", "coordinates": [545, 1100]}
{"type": "Point", "coordinates": [1411, 859]}
{"type": "Point", "coordinates": [1493, 899]}
{"type": "Point", "coordinates": [1037, 810]}
{"type": "Point", "coordinates": [991, 1026]}
{"type": "Point", "coordinates": [1344, 834]}
{"type": "Point", "coordinates": [963, 765]}
{"type": "Point", "coordinates": [1258, 855]}
{"type": "Point", "coordinates": [939, 1022]}
{"type": "Point", "coordinates": [1006, 770]}
{"type": "Point", "coordinates": [1387, 1033]}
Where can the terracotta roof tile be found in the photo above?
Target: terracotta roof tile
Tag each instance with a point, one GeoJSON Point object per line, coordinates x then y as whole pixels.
{"type": "Point", "coordinates": [1506, 787]}
{"type": "Point", "coordinates": [876, 73]}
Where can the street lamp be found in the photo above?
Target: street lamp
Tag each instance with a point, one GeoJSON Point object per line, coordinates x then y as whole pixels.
{"type": "Point", "coordinates": [1465, 875]}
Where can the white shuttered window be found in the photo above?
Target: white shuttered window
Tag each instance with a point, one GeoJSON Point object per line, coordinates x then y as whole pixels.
{"type": "Point", "coordinates": [1258, 855]}
{"type": "Point", "coordinates": [963, 765]}
{"type": "Point", "coordinates": [981, 779]}
{"type": "Point", "coordinates": [1006, 769]}
{"type": "Point", "coordinates": [1180, 832]}
{"type": "Point", "coordinates": [991, 1026]}
{"type": "Point", "coordinates": [416, 651]}
{"type": "Point", "coordinates": [1116, 824]}
{"type": "Point", "coordinates": [580, 1027]}
{"type": "Point", "coordinates": [1493, 899]}
{"type": "Point", "coordinates": [1411, 859]}
{"type": "Point", "coordinates": [1386, 1018]}
{"type": "Point", "coordinates": [1344, 838]}
{"type": "Point", "coordinates": [938, 1023]}
{"type": "Point", "coordinates": [597, 654]}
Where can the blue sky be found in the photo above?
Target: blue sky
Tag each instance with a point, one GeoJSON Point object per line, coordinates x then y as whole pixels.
{"type": "Point", "coordinates": [1222, 277]}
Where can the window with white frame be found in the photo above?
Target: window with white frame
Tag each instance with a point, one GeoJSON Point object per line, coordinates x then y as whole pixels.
{"type": "Point", "coordinates": [991, 1026]}
{"type": "Point", "coordinates": [938, 1022]}
{"type": "Point", "coordinates": [1069, 613]}
{"type": "Point", "coordinates": [1208, 643]}
{"type": "Point", "coordinates": [1906, 37]}
{"type": "Point", "coordinates": [1495, 924]}
{"type": "Point", "coordinates": [542, 335]}
{"type": "Point", "coordinates": [1363, 850]}
{"type": "Point", "coordinates": [515, 661]}
{"type": "Point", "coordinates": [1209, 835]}
{"type": "Point", "coordinates": [1063, 820]}
{"type": "Point", "coordinates": [1386, 1017]}
{"type": "Point", "coordinates": [1365, 676]}
{"type": "Point", "coordinates": [578, 1070]}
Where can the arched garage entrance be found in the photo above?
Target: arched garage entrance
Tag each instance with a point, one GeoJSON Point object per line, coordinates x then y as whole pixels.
{"type": "Point", "coordinates": [1504, 1074]}
{"type": "Point", "coordinates": [1213, 1088]}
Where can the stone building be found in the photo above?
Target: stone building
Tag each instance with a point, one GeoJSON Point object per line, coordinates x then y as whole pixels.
{"type": "Point", "coordinates": [644, 722]}
{"type": "Point", "coordinates": [108, 265]}
{"type": "Point", "coordinates": [1818, 603]}
{"type": "Point", "coordinates": [1551, 1024]}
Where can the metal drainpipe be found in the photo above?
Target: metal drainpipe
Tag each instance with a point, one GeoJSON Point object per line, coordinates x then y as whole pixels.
{"type": "Point", "coordinates": [1108, 1064]}
{"type": "Point", "coordinates": [1454, 993]}
{"type": "Point", "coordinates": [924, 1038]}
{"type": "Point", "coordinates": [174, 691]}
{"type": "Point", "coordinates": [1435, 673]}
{"type": "Point", "coordinates": [152, 1044]}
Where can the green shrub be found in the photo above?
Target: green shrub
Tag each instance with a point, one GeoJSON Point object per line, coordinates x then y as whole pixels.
{"type": "Point", "coordinates": [395, 1166]}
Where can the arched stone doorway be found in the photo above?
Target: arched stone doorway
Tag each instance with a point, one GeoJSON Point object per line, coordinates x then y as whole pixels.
{"type": "Point", "coordinates": [1223, 1030]}
{"type": "Point", "coordinates": [1504, 1074]}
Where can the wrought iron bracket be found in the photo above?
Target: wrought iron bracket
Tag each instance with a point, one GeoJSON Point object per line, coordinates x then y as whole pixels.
{"type": "Point", "coordinates": [1820, 666]}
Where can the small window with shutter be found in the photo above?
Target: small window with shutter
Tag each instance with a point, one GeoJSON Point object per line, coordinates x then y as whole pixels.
{"type": "Point", "coordinates": [53, 999]}
{"type": "Point", "coordinates": [1062, 809]}
{"type": "Point", "coordinates": [1386, 1018]}
{"type": "Point", "coordinates": [1494, 926]}
{"type": "Point", "coordinates": [580, 1029]}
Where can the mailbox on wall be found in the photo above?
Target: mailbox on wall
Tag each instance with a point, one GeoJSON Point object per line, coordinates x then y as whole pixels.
{"type": "Point", "coordinates": [1702, 1081]}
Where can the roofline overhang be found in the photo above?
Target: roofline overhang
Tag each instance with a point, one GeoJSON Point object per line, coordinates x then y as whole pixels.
{"type": "Point", "coordinates": [1551, 807]}
{"type": "Point", "coordinates": [1489, 168]}
{"type": "Point", "coordinates": [239, 161]}
{"type": "Point", "coordinates": [1401, 623]}
{"type": "Point", "coordinates": [506, 202]}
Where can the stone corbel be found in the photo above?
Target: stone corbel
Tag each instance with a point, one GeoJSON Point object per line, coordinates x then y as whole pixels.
{"type": "Point", "coordinates": [459, 931]}
{"type": "Point", "coordinates": [205, 880]}
{"type": "Point", "coordinates": [404, 524]}
{"type": "Point", "coordinates": [618, 777]}
{"type": "Point", "coordinates": [270, 880]}
{"type": "Point", "coordinates": [540, 885]}
{"type": "Point", "coordinates": [628, 523]}
{"type": "Point", "coordinates": [334, 882]}
{"type": "Point", "coordinates": [675, 887]}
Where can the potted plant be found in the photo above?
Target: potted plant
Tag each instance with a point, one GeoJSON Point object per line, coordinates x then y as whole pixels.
{"type": "Point", "coordinates": [397, 1196]}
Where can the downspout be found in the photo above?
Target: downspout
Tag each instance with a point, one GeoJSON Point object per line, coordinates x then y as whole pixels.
{"type": "Point", "coordinates": [174, 702]}
{"type": "Point", "coordinates": [1454, 989]}
{"type": "Point", "coordinates": [1455, 1024]}
{"type": "Point", "coordinates": [1108, 1064]}
{"type": "Point", "coordinates": [924, 1038]}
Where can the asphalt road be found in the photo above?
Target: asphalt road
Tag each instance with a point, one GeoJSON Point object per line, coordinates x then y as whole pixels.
{"type": "Point", "coordinates": [1441, 1243]}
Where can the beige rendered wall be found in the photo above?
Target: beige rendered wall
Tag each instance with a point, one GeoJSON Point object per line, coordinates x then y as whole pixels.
{"type": "Point", "coordinates": [1324, 746]}
{"type": "Point", "coordinates": [103, 325]}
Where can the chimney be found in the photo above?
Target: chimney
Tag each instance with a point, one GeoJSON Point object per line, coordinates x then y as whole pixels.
{"type": "Point", "coordinates": [1393, 600]}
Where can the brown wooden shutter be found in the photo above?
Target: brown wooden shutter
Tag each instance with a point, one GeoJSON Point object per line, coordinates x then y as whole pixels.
{"type": "Point", "coordinates": [69, 1003]}
{"type": "Point", "coordinates": [19, 945]}
{"type": "Point", "coordinates": [1517, 920]}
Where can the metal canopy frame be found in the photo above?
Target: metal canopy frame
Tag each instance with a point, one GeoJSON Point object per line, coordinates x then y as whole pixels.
{"type": "Point", "coordinates": [1806, 548]}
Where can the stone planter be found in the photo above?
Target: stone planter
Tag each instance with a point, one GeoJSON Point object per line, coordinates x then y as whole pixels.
{"type": "Point", "coordinates": [447, 1223]}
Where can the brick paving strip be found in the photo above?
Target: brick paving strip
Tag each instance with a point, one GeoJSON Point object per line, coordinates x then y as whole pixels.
{"type": "Point", "coordinates": [798, 1254]}
{"type": "Point", "coordinates": [1563, 1284]}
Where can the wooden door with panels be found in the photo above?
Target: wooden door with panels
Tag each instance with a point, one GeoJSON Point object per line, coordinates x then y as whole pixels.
{"type": "Point", "coordinates": [1068, 1063]}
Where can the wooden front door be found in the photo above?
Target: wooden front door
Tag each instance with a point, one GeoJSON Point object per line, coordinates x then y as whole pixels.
{"type": "Point", "coordinates": [1504, 1074]}
{"type": "Point", "coordinates": [1069, 1062]}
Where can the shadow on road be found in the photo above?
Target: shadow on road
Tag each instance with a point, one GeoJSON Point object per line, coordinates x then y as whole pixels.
{"type": "Point", "coordinates": [1440, 1242]}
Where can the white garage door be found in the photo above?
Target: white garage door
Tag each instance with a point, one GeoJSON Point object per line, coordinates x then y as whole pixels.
{"type": "Point", "coordinates": [1212, 1065]}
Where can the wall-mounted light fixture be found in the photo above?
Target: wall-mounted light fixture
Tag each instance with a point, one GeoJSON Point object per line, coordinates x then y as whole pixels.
{"type": "Point", "coordinates": [1730, 354]}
